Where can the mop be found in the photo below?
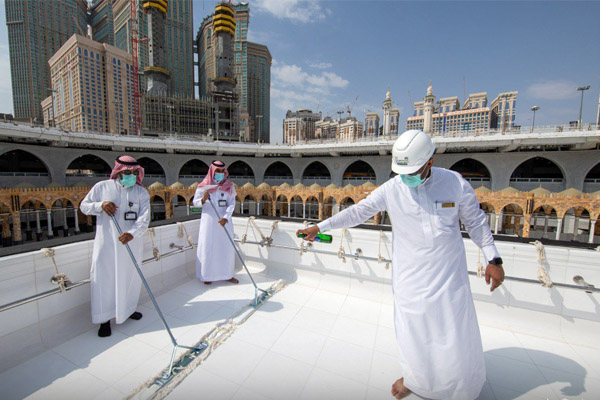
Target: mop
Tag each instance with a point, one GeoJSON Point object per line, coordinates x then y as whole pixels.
{"type": "Point", "coordinates": [187, 362]}
{"type": "Point", "coordinates": [192, 350]}
{"type": "Point", "coordinates": [264, 294]}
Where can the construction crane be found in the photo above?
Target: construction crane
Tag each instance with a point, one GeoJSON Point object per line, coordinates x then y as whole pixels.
{"type": "Point", "coordinates": [410, 98]}
{"type": "Point", "coordinates": [340, 112]}
{"type": "Point", "coordinates": [350, 108]}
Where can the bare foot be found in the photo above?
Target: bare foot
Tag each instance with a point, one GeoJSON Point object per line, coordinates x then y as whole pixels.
{"type": "Point", "coordinates": [400, 391]}
{"type": "Point", "coordinates": [233, 280]}
{"type": "Point", "coordinates": [208, 283]}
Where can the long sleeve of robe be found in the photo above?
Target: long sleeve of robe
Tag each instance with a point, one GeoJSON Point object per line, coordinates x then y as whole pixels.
{"type": "Point", "coordinates": [114, 281]}
{"type": "Point", "coordinates": [439, 343]}
{"type": "Point", "coordinates": [215, 257]}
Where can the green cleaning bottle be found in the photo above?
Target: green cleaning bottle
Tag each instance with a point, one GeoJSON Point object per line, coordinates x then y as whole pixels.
{"type": "Point", "coordinates": [321, 237]}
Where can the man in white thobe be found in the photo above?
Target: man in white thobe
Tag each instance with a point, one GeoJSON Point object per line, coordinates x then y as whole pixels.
{"type": "Point", "coordinates": [115, 283]}
{"type": "Point", "coordinates": [215, 256]}
{"type": "Point", "coordinates": [441, 355]}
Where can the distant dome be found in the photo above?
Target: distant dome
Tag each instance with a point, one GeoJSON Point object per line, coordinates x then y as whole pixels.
{"type": "Point", "coordinates": [509, 189]}
{"type": "Point", "coordinates": [54, 185]}
{"type": "Point", "coordinates": [349, 187]}
{"type": "Point", "coordinates": [315, 186]}
{"type": "Point", "coordinates": [572, 192]}
{"type": "Point", "coordinates": [368, 184]}
{"type": "Point", "coordinates": [299, 186]}
{"type": "Point", "coordinates": [332, 186]}
{"type": "Point", "coordinates": [177, 185]}
{"type": "Point", "coordinates": [248, 185]}
{"type": "Point", "coordinates": [263, 186]}
{"type": "Point", "coordinates": [482, 189]}
{"type": "Point", "coordinates": [284, 185]}
{"type": "Point", "coordinates": [194, 185]}
{"type": "Point", "coordinates": [540, 191]}
{"type": "Point", "coordinates": [156, 185]}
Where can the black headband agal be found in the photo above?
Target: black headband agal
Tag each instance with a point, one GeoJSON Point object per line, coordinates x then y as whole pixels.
{"type": "Point", "coordinates": [217, 163]}
{"type": "Point", "coordinates": [127, 162]}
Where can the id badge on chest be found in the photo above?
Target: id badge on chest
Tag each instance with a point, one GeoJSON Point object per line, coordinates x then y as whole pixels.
{"type": "Point", "coordinates": [222, 202]}
{"type": "Point", "coordinates": [130, 216]}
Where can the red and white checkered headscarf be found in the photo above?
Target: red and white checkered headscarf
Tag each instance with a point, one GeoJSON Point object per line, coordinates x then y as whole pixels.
{"type": "Point", "coordinates": [211, 185]}
{"type": "Point", "coordinates": [127, 162]}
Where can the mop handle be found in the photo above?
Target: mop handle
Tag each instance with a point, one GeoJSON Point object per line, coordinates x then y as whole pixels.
{"type": "Point", "coordinates": [233, 244]}
{"type": "Point", "coordinates": [139, 270]}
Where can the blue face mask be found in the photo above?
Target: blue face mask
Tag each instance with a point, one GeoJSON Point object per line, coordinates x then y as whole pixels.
{"type": "Point", "coordinates": [412, 180]}
{"type": "Point", "coordinates": [128, 180]}
{"type": "Point", "coordinates": [219, 176]}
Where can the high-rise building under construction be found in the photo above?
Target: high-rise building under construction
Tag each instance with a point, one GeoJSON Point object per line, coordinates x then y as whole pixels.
{"type": "Point", "coordinates": [250, 64]}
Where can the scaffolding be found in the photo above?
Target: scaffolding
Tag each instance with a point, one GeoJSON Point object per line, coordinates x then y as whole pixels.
{"type": "Point", "coordinates": [175, 116]}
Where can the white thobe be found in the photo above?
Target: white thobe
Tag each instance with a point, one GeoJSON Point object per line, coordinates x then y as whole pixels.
{"type": "Point", "coordinates": [114, 281]}
{"type": "Point", "coordinates": [436, 326]}
{"type": "Point", "coordinates": [215, 257]}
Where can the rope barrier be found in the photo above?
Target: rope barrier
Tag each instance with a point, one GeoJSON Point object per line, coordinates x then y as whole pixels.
{"type": "Point", "coordinates": [380, 256]}
{"type": "Point", "coordinates": [155, 252]}
{"type": "Point", "coordinates": [480, 267]}
{"type": "Point", "coordinates": [542, 272]}
{"type": "Point", "coordinates": [61, 279]}
{"type": "Point", "coordinates": [341, 251]}
{"type": "Point", "coordinates": [183, 232]}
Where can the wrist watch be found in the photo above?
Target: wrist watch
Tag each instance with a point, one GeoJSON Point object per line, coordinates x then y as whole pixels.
{"type": "Point", "coordinates": [496, 261]}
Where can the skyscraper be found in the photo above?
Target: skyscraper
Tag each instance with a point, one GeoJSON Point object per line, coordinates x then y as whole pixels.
{"type": "Point", "coordinates": [258, 88]}
{"type": "Point", "coordinates": [251, 67]}
{"type": "Point", "coordinates": [178, 41]}
{"type": "Point", "coordinates": [101, 20]}
{"type": "Point", "coordinates": [92, 87]}
{"type": "Point", "coordinates": [36, 30]}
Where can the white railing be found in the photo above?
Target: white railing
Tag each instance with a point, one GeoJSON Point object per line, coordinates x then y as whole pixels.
{"type": "Point", "coordinates": [592, 180]}
{"type": "Point", "coordinates": [538, 180]}
{"type": "Point", "coordinates": [23, 174]}
{"type": "Point", "coordinates": [523, 130]}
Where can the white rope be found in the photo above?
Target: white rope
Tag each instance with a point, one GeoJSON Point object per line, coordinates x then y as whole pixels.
{"type": "Point", "coordinates": [302, 241]}
{"type": "Point", "coordinates": [254, 226]}
{"type": "Point", "coordinates": [380, 257]}
{"type": "Point", "coordinates": [59, 278]}
{"type": "Point", "coordinates": [245, 235]}
{"type": "Point", "coordinates": [480, 268]}
{"type": "Point", "coordinates": [542, 272]}
{"type": "Point", "coordinates": [155, 252]}
{"type": "Point", "coordinates": [341, 248]}
{"type": "Point", "coordinates": [213, 339]}
{"type": "Point", "coordinates": [182, 232]}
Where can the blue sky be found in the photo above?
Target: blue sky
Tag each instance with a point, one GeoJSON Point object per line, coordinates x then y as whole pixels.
{"type": "Point", "coordinates": [329, 52]}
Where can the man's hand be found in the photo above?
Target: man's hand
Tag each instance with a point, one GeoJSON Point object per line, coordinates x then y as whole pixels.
{"type": "Point", "coordinates": [495, 273]}
{"type": "Point", "coordinates": [126, 238]}
{"type": "Point", "coordinates": [223, 221]}
{"type": "Point", "coordinates": [109, 207]}
{"type": "Point", "coordinates": [205, 197]}
{"type": "Point", "coordinates": [311, 233]}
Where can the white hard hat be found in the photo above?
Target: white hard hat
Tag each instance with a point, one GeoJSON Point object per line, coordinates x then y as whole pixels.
{"type": "Point", "coordinates": [411, 151]}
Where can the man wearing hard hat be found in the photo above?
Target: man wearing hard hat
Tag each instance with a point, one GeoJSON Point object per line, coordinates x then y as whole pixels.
{"type": "Point", "coordinates": [441, 355]}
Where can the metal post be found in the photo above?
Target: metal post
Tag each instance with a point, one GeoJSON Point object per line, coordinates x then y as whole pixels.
{"type": "Point", "coordinates": [592, 230]}
{"type": "Point", "coordinates": [498, 218]}
{"type": "Point", "coordinates": [170, 121]}
{"type": "Point", "coordinates": [581, 89]}
{"type": "Point", "coordinates": [256, 288]}
{"type": "Point", "coordinates": [534, 109]}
